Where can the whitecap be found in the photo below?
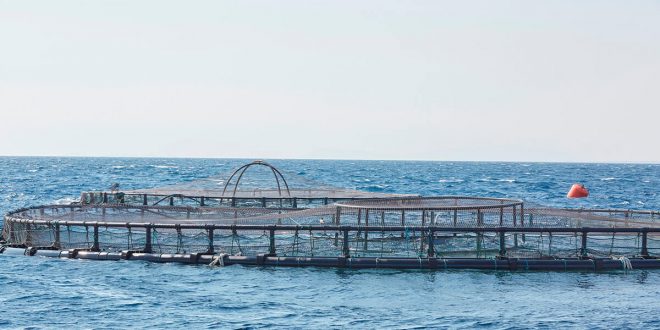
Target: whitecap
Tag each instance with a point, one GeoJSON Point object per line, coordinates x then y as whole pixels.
{"type": "Point", "coordinates": [164, 166]}
{"type": "Point", "coordinates": [608, 179]}
{"type": "Point", "coordinates": [65, 201]}
{"type": "Point", "coordinates": [450, 180]}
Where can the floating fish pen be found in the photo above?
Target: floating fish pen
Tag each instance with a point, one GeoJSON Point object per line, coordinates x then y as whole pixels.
{"type": "Point", "coordinates": [316, 225]}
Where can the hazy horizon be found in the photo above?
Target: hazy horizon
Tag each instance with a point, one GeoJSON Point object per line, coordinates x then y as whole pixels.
{"type": "Point", "coordinates": [554, 81]}
{"type": "Point", "coordinates": [331, 159]}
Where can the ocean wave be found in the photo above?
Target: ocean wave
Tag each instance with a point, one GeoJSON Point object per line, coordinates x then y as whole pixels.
{"type": "Point", "coordinates": [164, 166]}
{"type": "Point", "coordinates": [507, 180]}
{"type": "Point", "coordinates": [452, 180]}
{"type": "Point", "coordinates": [65, 201]}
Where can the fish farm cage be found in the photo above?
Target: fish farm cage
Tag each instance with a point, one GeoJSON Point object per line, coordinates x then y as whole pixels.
{"type": "Point", "coordinates": [220, 222]}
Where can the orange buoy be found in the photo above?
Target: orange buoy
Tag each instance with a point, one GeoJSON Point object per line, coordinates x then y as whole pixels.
{"type": "Point", "coordinates": [578, 191]}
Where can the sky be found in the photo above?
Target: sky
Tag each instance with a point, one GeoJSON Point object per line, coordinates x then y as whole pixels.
{"type": "Point", "coordinates": [558, 81]}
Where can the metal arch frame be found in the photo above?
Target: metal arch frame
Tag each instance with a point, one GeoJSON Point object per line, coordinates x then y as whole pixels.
{"type": "Point", "coordinates": [244, 168]}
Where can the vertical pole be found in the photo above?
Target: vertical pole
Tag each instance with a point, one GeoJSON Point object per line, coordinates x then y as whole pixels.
{"type": "Point", "coordinates": [366, 228]}
{"type": "Point", "coordinates": [295, 202]}
{"type": "Point", "coordinates": [105, 198]}
{"type": "Point", "coordinates": [431, 252]}
{"type": "Point", "coordinates": [271, 250]}
{"type": "Point", "coordinates": [583, 249]}
{"type": "Point", "coordinates": [432, 218]}
{"type": "Point", "coordinates": [501, 216]}
{"type": "Point", "coordinates": [202, 201]}
{"type": "Point", "coordinates": [263, 202]}
{"type": "Point", "coordinates": [147, 244]}
{"type": "Point", "coordinates": [502, 243]}
{"type": "Point", "coordinates": [144, 199]}
{"type": "Point", "coordinates": [171, 201]}
{"type": "Point", "coordinates": [515, 221]}
{"type": "Point", "coordinates": [57, 243]}
{"type": "Point", "coordinates": [515, 224]}
{"type": "Point", "coordinates": [382, 218]}
{"type": "Point", "coordinates": [645, 250]}
{"type": "Point", "coordinates": [522, 219]}
{"type": "Point", "coordinates": [480, 235]}
{"type": "Point", "coordinates": [325, 201]}
{"type": "Point", "coordinates": [233, 202]}
{"type": "Point", "coordinates": [211, 249]}
{"type": "Point", "coordinates": [403, 220]}
{"type": "Point", "coordinates": [455, 217]}
{"type": "Point", "coordinates": [359, 222]}
{"type": "Point", "coordinates": [336, 219]}
{"type": "Point", "coordinates": [423, 217]}
{"type": "Point", "coordinates": [345, 250]}
{"type": "Point", "coordinates": [96, 246]}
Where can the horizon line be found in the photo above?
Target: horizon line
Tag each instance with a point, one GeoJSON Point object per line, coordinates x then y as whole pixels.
{"type": "Point", "coordinates": [341, 159]}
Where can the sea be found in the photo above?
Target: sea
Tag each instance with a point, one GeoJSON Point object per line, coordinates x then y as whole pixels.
{"type": "Point", "coordinates": [47, 293]}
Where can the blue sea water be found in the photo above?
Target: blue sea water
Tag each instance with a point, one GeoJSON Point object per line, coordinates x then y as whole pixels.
{"type": "Point", "coordinates": [51, 293]}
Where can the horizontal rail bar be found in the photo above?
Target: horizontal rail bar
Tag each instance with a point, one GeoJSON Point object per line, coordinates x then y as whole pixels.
{"type": "Point", "coordinates": [342, 227]}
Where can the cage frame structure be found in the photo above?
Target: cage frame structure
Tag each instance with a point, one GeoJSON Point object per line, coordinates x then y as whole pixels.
{"type": "Point", "coordinates": [346, 229]}
{"type": "Point", "coordinates": [344, 234]}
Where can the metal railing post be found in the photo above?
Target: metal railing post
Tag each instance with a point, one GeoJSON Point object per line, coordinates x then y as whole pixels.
{"type": "Point", "coordinates": [345, 250]}
{"type": "Point", "coordinates": [431, 252]}
{"type": "Point", "coordinates": [211, 248]}
{"type": "Point", "coordinates": [147, 243]}
{"type": "Point", "coordinates": [645, 249]}
{"type": "Point", "coordinates": [366, 230]}
{"type": "Point", "coordinates": [96, 246]}
{"type": "Point", "coordinates": [502, 243]}
{"type": "Point", "coordinates": [583, 248]}
{"type": "Point", "coordinates": [271, 249]}
{"type": "Point", "coordinates": [57, 244]}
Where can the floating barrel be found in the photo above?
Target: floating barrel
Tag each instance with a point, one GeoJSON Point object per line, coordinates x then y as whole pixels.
{"type": "Point", "coordinates": [578, 191]}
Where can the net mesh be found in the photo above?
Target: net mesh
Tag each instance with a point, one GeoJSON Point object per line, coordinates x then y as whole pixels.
{"type": "Point", "coordinates": [373, 232]}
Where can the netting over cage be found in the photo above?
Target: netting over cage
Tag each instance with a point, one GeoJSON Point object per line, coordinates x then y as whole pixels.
{"type": "Point", "coordinates": [259, 179]}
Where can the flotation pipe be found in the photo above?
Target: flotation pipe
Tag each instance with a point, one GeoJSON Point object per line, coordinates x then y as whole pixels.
{"type": "Point", "coordinates": [578, 191]}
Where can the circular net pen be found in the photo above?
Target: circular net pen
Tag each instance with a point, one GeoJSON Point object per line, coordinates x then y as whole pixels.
{"type": "Point", "coordinates": [433, 232]}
